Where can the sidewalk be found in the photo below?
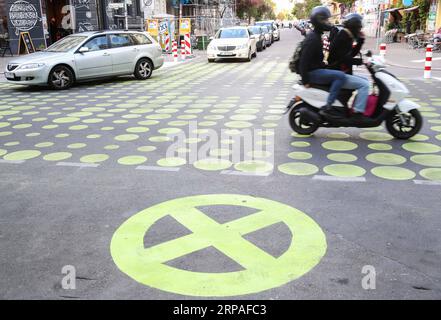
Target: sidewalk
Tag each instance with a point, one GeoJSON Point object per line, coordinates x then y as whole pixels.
{"type": "Point", "coordinates": [400, 55]}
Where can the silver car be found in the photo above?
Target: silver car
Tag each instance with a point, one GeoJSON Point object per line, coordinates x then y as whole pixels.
{"type": "Point", "coordinates": [88, 55]}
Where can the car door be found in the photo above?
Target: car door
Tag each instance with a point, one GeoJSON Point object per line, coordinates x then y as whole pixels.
{"type": "Point", "coordinates": [124, 52]}
{"type": "Point", "coordinates": [97, 61]}
{"type": "Point", "coordinates": [253, 41]}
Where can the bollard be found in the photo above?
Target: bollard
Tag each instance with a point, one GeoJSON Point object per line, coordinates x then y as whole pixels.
{"type": "Point", "coordinates": [187, 41]}
{"type": "Point", "coordinates": [382, 49]}
{"type": "Point", "coordinates": [182, 50]}
{"type": "Point", "coordinates": [428, 63]}
{"type": "Point", "coordinates": [175, 51]}
{"type": "Point", "coordinates": [167, 43]}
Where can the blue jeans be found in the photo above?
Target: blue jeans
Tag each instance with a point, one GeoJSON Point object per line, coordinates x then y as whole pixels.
{"type": "Point", "coordinates": [334, 78]}
{"type": "Point", "coordinates": [362, 86]}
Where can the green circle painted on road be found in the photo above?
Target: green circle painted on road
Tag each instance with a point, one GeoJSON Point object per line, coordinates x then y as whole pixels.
{"type": "Point", "coordinates": [127, 137]}
{"type": "Point", "coordinates": [212, 164]}
{"type": "Point", "coordinates": [3, 152]}
{"type": "Point", "coordinates": [342, 157]}
{"type": "Point", "coordinates": [22, 155]}
{"type": "Point", "coordinates": [428, 160]}
{"type": "Point", "coordinates": [171, 162]}
{"type": "Point", "coordinates": [431, 174]}
{"type": "Point", "coordinates": [300, 144]}
{"type": "Point", "coordinates": [393, 173]}
{"type": "Point", "coordinates": [384, 158]}
{"type": "Point", "coordinates": [132, 160]}
{"type": "Point", "coordinates": [376, 136]}
{"type": "Point", "coordinates": [380, 146]}
{"type": "Point", "coordinates": [338, 145]}
{"type": "Point", "coordinates": [261, 271]}
{"type": "Point", "coordinates": [421, 147]}
{"type": "Point", "coordinates": [57, 156]}
{"type": "Point", "coordinates": [76, 145]}
{"type": "Point", "coordinates": [300, 155]}
{"type": "Point", "coordinates": [94, 158]}
{"type": "Point", "coordinates": [344, 170]}
{"type": "Point", "coordinates": [254, 166]}
{"type": "Point", "coordinates": [298, 168]}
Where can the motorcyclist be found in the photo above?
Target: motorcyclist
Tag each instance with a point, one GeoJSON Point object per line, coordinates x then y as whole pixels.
{"type": "Point", "coordinates": [312, 68]}
{"type": "Point", "coordinates": [342, 57]}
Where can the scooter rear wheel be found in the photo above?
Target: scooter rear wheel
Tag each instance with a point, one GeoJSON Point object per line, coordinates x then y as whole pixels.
{"type": "Point", "coordinates": [298, 124]}
{"type": "Point", "coordinates": [404, 125]}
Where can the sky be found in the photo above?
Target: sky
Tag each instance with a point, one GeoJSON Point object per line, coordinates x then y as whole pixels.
{"type": "Point", "coordinates": [282, 5]}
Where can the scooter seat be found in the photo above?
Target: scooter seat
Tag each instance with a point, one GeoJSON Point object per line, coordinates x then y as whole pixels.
{"type": "Point", "coordinates": [326, 87]}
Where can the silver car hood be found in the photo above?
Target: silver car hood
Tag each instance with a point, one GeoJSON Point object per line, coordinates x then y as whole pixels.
{"type": "Point", "coordinates": [42, 56]}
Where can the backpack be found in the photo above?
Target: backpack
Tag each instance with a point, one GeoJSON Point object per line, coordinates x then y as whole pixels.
{"type": "Point", "coordinates": [295, 59]}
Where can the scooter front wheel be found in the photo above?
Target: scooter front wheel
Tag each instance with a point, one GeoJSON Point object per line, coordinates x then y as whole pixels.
{"type": "Point", "coordinates": [404, 125]}
{"type": "Point", "coordinates": [298, 123]}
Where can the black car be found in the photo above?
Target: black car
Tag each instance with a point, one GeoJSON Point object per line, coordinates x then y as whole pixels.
{"type": "Point", "coordinates": [260, 37]}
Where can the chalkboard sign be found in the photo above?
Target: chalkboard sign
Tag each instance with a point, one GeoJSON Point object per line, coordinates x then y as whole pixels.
{"type": "Point", "coordinates": [25, 43]}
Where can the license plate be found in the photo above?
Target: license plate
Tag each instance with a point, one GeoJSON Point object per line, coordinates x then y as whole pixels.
{"type": "Point", "coordinates": [9, 75]}
{"type": "Point", "coordinates": [226, 54]}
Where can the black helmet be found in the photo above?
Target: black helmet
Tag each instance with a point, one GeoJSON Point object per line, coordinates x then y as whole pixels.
{"type": "Point", "coordinates": [320, 18]}
{"type": "Point", "coordinates": [353, 22]}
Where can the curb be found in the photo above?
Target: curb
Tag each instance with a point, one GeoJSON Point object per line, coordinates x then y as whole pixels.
{"type": "Point", "coordinates": [408, 67]}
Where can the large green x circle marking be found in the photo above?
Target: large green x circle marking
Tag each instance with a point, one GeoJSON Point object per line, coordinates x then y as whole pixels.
{"type": "Point", "coordinates": [261, 270]}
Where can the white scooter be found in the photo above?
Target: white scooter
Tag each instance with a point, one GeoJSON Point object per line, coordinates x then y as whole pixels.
{"type": "Point", "coordinates": [403, 120]}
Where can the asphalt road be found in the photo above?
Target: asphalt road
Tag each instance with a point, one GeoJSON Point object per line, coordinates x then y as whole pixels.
{"type": "Point", "coordinates": [298, 221]}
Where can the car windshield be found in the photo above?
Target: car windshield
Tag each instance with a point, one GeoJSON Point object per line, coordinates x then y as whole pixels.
{"type": "Point", "coordinates": [66, 44]}
{"type": "Point", "coordinates": [266, 24]}
{"type": "Point", "coordinates": [255, 30]}
{"type": "Point", "coordinates": [232, 33]}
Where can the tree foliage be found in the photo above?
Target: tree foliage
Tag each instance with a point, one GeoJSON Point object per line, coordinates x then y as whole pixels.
{"type": "Point", "coordinates": [258, 9]}
{"type": "Point", "coordinates": [302, 10]}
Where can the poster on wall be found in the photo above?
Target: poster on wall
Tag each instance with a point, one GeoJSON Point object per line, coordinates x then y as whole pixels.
{"type": "Point", "coordinates": [85, 15]}
{"type": "Point", "coordinates": [25, 16]}
{"type": "Point", "coordinates": [431, 19]}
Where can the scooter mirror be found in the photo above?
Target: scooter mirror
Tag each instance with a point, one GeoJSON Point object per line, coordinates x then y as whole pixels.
{"type": "Point", "coordinates": [368, 53]}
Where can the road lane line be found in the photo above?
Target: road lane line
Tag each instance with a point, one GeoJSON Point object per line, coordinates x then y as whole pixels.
{"type": "Point", "coordinates": [427, 182]}
{"type": "Point", "coordinates": [239, 173]}
{"type": "Point", "coordinates": [11, 161]}
{"type": "Point", "coordinates": [154, 168]}
{"type": "Point", "coordinates": [77, 164]}
{"type": "Point", "coordinates": [339, 179]}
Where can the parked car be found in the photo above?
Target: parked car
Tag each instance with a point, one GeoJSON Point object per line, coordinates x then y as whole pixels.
{"type": "Point", "coordinates": [260, 37]}
{"type": "Point", "coordinates": [268, 35]}
{"type": "Point", "coordinates": [274, 29]}
{"type": "Point", "coordinates": [88, 55]}
{"type": "Point", "coordinates": [232, 43]}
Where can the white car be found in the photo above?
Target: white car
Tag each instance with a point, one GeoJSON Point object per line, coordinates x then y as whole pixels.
{"type": "Point", "coordinates": [88, 55]}
{"type": "Point", "coordinates": [272, 25]}
{"type": "Point", "coordinates": [232, 43]}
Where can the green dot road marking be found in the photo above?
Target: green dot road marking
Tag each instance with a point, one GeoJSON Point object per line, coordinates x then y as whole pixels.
{"type": "Point", "coordinates": [421, 147]}
{"type": "Point", "coordinates": [126, 137]}
{"type": "Point", "coordinates": [393, 173]}
{"type": "Point", "coordinates": [344, 170]}
{"type": "Point", "coordinates": [376, 136]}
{"type": "Point", "coordinates": [254, 166]}
{"type": "Point", "coordinates": [298, 168]}
{"type": "Point", "coordinates": [342, 157]}
{"type": "Point", "coordinates": [380, 146]}
{"type": "Point", "coordinates": [300, 144]}
{"type": "Point", "coordinates": [385, 158]}
{"type": "Point", "coordinates": [93, 158]}
{"type": "Point", "coordinates": [261, 270]}
{"type": "Point", "coordinates": [339, 145]}
{"type": "Point", "coordinates": [428, 160]}
{"type": "Point", "coordinates": [212, 164]}
{"type": "Point", "coordinates": [57, 156]}
{"type": "Point", "coordinates": [171, 162]}
{"type": "Point", "coordinates": [431, 174]}
{"type": "Point", "coordinates": [132, 160]}
{"type": "Point", "coordinates": [22, 155]}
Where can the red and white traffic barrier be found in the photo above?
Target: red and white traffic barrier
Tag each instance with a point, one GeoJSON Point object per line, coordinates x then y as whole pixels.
{"type": "Point", "coordinates": [182, 50]}
{"type": "Point", "coordinates": [175, 51]}
{"type": "Point", "coordinates": [382, 49]}
{"type": "Point", "coordinates": [167, 43]}
{"type": "Point", "coordinates": [187, 41]}
{"type": "Point", "coordinates": [428, 63]}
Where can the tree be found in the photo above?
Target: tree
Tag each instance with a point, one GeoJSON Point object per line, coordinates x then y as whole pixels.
{"type": "Point", "coordinates": [303, 10]}
{"type": "Point", "coordinates": [258, 9]}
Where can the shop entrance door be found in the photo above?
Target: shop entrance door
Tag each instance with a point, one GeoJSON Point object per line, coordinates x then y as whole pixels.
{"type": "Point", "coordinates": [59, 19]}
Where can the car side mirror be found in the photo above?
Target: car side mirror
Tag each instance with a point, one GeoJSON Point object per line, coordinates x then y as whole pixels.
{"type": "Point", "coordinates": [368, 53]}
{"type": "Point", "coordinates": [211, 38]}
{"type": "Point", "coordinates": [83, 50]}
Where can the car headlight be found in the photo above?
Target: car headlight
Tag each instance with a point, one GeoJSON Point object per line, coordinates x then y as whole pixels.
{"type": "Point", "coordinates": [31, 66]}
{"type": "Point", "coordinates": [242, 46]}
{"type": "Point", "coordinates": [211, 47]}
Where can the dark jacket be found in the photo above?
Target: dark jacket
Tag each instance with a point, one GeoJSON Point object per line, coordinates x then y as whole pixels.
{"type": "Point", "coordinates": [312, 55]}
{"type": "Point", "coordinates": [341, 54]}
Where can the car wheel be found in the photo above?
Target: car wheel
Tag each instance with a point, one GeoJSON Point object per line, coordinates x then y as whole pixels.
{"type": "Point", "coordinates": [143, 69]}
{"type": "Point", "coordinates": [210, 60]}
{"type": "Point", "coordinates": [249, 56]}
{"type": "Point", "coordinates": [254, 55]}
{"type": "Point", "coordinates": [61, 78]}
